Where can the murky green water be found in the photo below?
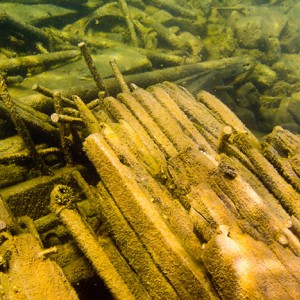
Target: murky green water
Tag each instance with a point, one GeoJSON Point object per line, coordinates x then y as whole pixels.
{"type": "Point", "coordinates": [149, 193]}
{"type": "Point", "coordinates": [160, 34]}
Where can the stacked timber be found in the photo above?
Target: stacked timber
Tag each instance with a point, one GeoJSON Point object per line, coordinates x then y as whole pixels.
{"type": "Point", "coordinates": [196, 207]}
{"type": "Point", "coordinates": [192, 204]}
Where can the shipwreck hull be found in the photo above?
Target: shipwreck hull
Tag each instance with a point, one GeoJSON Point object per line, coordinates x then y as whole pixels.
{"type": "Point", "coordinates": [168, 197]}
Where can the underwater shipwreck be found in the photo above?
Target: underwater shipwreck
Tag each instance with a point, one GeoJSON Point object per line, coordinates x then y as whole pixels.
{"type": "Point", "coordinates": [140, 159]}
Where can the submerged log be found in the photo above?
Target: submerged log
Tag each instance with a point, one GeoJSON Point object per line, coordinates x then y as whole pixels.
{"type": "Point", "coordinates": [37, 63]}
{"type": "Point", "coordinates": [35, 120]}
{"type": "Point", "coordinates": [203, 192]}
{"type": "Point", "coordinates": [28, 30]}
{"type": "Point", "coordinates": [226, 68]}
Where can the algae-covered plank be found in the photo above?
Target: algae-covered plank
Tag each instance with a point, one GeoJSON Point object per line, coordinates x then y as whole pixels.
{"type": "Point", "coordinates": [175, 263]}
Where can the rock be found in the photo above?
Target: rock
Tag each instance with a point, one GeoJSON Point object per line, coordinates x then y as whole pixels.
{"type": "Point", "coordinates": [266, 119]}
{"type": "Point", "coordinates": [280, 111]}
{"type": "Point", "coordinates": [283, 116]}
{"type": "Point", "coordinates": [250, 32]}
{"type": "Point", "coordinates": [286, 112]}
{"type": "Point", "coordinates": [194, 43]}
{"type": "Point", "coordinates": [263, 76]}
{"type": "Point", "coordinates": [290, 42]}
{"type": "Point", "coordinates": [248, 118]}
{"type": "Point", "coordinates": [262, 23]}
{"type": "Point", "coordinates": [274, 51]}
{"type": "Point", "coordinates": [270, 102]}
{"type": "Point", "coordinates": [294, 107]}
{"type": "Point", "coordinates": [220, 41]}
{"type": "Point", "coordinates": [248, 96]}
{"type": "Point", "coordinates": [268, 111]}
{"type": "Point", "coordinates": [287, 68]}
{"type": "Point", "coordinates": [282, 88]}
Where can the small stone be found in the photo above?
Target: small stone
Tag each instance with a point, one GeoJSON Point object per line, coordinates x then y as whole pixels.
{"type": "Point", "coordinates": [248, 96]}
{"type": "Point", "coordinates": [263, 76]}
{"type": "Point", "coordinates": [287, 68]}
{"type": "Point", "coordinates": [254, 30]}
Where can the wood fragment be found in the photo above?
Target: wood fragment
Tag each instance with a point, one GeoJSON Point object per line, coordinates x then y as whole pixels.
{"type": "Point", "coordinates": [62, 131]}
{"type": "Point", "coordinates": [87, 116]}
{"type": "Point", "coordinates": [59, 118]}
{"type": "Point", "coordinates": [61, 201]}
{"type": "Point", "coordinates": [91, 65]}
{"type": "Point", "coordinates": [37, 63]}
{"type": "Point", "coordinates": [48, 93]}
{"type": "Point", "coordinates": [129, 21]}
{"type": "Point", "coordinates": [21, 128]}
{"type": "Point", "coordinates": [159, 137]}
{"type": "Point", "coordinates": [119, 77]}
{"type": "Point", "coordinates": [284, 192]}
{"type": "Point", "coordinates": [182, 190]}
{"type": "Point", "coordinates": [163, 119]}
{"type": "Point", "coordinates": [7, 220]}
{"type": "Point", "coordinates": [225, 135]}
{"type": "Point", "coordinates": [172, 259]}
{"type": "Point", "coordinates": [25, 155]}
{"type": "Point", "coordinates": [32, 118]}
{"type": "Point", "coordinates": [163, 32]}
{"type": "Point", "coordinates": [156, 286]}
{"type": "Point", "coordinates": [244, 258]}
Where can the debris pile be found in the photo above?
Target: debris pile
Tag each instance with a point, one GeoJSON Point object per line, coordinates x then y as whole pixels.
{"type": "Point", "coordinates": [166, 196]}
{"type": "Point", "coordinates": [137, 187]}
